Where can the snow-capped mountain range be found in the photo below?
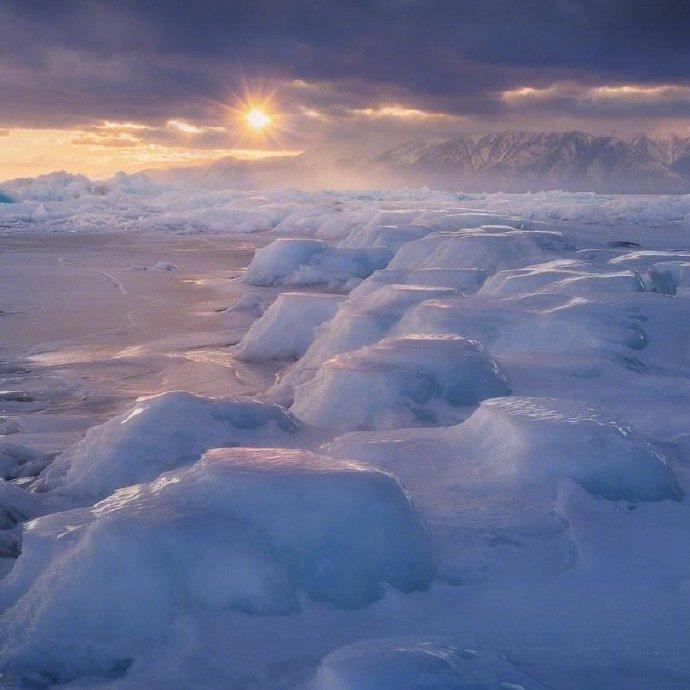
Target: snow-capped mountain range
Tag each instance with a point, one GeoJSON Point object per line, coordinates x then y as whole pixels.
{"type": "Point", "coordinates": [511, 161]}
{"type": "Point", "coordinates": [532, 161]}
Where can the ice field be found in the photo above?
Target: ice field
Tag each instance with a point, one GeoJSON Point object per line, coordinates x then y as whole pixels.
{"type": "Point", "coordinates": [278, 440]}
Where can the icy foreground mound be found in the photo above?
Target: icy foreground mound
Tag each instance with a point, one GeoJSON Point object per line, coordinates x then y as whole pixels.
{"type": "Point", "coordinates": [159, 434]}
{"type": "Point", "coordinates": [489, 489]}
{"type": "Point", "coordinates": [397, 382]}
{"type": "Point", "coordinates": [286, 330]}
{"type": "Point", "coordinates": [529, 439]}
{"type": "Point", "coordinates": [242, 529]}
{"type": "Point", "coordinates": [412, 664]}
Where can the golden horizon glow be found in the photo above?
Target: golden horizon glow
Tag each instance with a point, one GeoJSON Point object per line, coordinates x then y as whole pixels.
{"type": "Point", "coordinates": [257, 118]}
{"type": "Point", "coordinates": [27, 152]}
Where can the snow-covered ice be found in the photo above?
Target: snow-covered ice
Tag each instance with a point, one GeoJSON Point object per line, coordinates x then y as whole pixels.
{"type": "Point", "coordinates": [343, 440]}
{"type": "Point", "coordinates": [229, 532]}
{"type": "Point", "coordinates": [158, 434]}
{"type": "Point", "coordinates": [286, 330]}
{"type": "Point", "coordinates": [399, 382]}
{"type": "Point", "coordinates": [359, 321]}
{"type": "Point", "coordinates": [312, 262]}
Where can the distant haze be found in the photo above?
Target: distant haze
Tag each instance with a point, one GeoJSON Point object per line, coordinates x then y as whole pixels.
{"type": "Point", "coordinates": [507, 161]}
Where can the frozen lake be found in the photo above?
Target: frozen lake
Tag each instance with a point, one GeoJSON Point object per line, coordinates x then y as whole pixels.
{"type": "Point", "coordinates": [288, 441]}
{"type": "Point", "coordinates": [89, 324]}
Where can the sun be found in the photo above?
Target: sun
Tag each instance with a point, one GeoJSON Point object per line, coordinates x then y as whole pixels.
{"type": "Point", "coordinates": [257, 119]}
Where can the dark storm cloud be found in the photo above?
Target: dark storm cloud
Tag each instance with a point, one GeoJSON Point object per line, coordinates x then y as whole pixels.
{"type": "Point", "coordinates": [70, 62]}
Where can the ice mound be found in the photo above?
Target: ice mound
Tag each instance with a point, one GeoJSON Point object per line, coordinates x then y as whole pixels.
{"type": "Point", "coordinates": [564, 276]}
{"type": "Point", "coordinates": [303, 218]}
{"type": "Point", "coordinates": [17, 504]}
{"type": "Point", "coordinates": [18, 460]}
{"type": "Point", "coordinates": [250, 304]}
{"type": "Point", "coordinates": [392, 229]}
{"type": "Point", "coordinates": [242, 529]}
{"type": "Point", "coordinates": [277, 260]}
{"type": "Point", "coordinates": [644, 258]}
{"type": "Point", "coordinates": [286, 330]}
{"type": "Point", "coordinates": [337, 266]}
{"type": "Point", "coordinates": [379, 219]}
{"type": "Point", "coordinates": [528, 439]}
{"type": "Point", "coordinates": [590, 207]}
{"type": "Point", "coordinates": [389, 236]}
{"type": "Point", "coordinates": [296, 262]}
{"type": "Point", "coordinates": [461, 219]}
{"type": "Point", "coordinates": [357, 323]}
{"type": "Point", "coordinates": [340, 225]}
{"type": "Point", "coordinates": [489, 248]}
{"type": "Point", "coordinates": [667, 277]}
{"type": "Point", "coordinates": [418, 664]}
{"type": "Point", "coordinates": [393, 237]}
{"type": "Point", "coordinates": [600, 324]}
{"type": "Point", "coordinates": [164, 266]}
{"type": "Point", "coordinates": [520, 281]}
{"type": "Point", "coordinates": [398, 382]}
{"type": "Point", "coordinates": [621, 282]}
{"type": "Point", "coordinates": [488, 489]}
{"type": "Point", "coordinates": [159, 434]}
{"type": "Point", "coordinates": [465, 280]}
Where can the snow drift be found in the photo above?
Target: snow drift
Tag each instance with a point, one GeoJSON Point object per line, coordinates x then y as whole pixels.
{"type": "Point", "coordinates": [357, 323]}
{"type": "Point", "coordinates": [159, 434]}
{"type": "Point", "coordinates": [312, 262]}
{"type": "Point", "coordinates": [229, 532]}
{"type": "Point", "coordinates": [398, 382]}
{"type": "Point", "coordinates": [286, 330]}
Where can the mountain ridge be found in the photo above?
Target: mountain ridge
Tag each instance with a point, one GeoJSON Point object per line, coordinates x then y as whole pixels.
{"type": "Point", "coordinates": [507, 161]}
{"type": "Point", "coordinates": [523, 161]}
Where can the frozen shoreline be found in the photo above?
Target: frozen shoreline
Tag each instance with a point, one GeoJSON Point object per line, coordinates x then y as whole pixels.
{"type": "Point", "coordinates": [96, 324]}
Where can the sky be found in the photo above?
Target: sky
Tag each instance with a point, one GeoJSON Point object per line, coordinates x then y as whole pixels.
{"type": "Point", "coordinates": [97, 87]}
